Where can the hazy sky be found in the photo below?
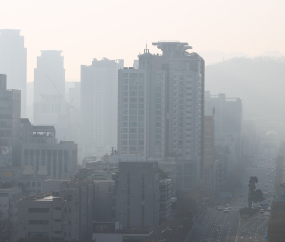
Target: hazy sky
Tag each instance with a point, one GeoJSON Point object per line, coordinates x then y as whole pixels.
{"type": "Point", "coordinates": [87, 29]}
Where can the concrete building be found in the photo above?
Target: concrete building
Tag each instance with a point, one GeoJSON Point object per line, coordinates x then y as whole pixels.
{"type": "Point", "coordinates": [99, 97]}
{"type": "Point", "coordinates": [165, 186]}
{"type": "Point", "coordinates": [43, 156]}
{"type": "Point", "coordinates": [13, 62]}
{"type": "Point", "coordinates": [103, 200]}
{"type": "Point", "coordinates": [85, 205]}
{"type": "Point", "coordinates": [161, 109]}
{"type": "Point", "coordinates": [113, 232]}
{"type": "Point", "coordinates": [10, 115]}
{"type": "Point", "coordinates": [209, 149]}
{"type": "Point", "coordinates": [228, 121]}
{"type": "Point", "coordinates": [137, 194]}
{"type": "Point", "coordinates": [49, 215]}
{"type": "Point", "coordinates": [65, 213]}
{"type": "Point", "coordinates": [9, 198]}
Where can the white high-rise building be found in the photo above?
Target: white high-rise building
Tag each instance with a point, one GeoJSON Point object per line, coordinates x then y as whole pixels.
{"type": "Point", "coordinates": [99, 100]}
{"type": "Point", "coordinates": [13, 62]}
{"type": "Point", "coordinates": [161, 109]}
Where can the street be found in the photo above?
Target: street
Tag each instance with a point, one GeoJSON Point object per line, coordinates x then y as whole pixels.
{"type": "Point", "coordinates": [229, 227]}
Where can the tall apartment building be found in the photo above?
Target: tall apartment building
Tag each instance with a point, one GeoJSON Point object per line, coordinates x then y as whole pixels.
{"type": "Point", "coordinates": [161, 109]}
{"type": "Point", "coordinates": [9, 198]}
{"type": "Point", "coordinates": [13, 62]}
{"type": "Point", "coordinates": [10, 116]}
{"type": "Point", "coordinates": [99, 92]}
{"type": "Point", "coordinates": [137, 194]}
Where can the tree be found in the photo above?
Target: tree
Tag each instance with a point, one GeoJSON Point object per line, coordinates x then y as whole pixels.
{"type": "Point", "coordinates": [251, 193]}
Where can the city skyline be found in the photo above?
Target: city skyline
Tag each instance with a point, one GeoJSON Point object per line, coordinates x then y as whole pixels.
{"type": "Point", "coordinates": [246, 30]}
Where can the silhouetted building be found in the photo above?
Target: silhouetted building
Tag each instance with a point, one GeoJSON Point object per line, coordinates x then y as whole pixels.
{"type": "Point", "coordinates": [161, 109]}
{"type": "Point", "coordinates": [10, 115]}
{"type": "Point", "coordinates": [99, 97]}
{"type": "Point", "coordinates": [9, 198]}
{"type": "Point", "coordinates": [13, 62]}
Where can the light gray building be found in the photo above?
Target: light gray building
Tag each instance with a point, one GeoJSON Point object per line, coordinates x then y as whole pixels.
{"type": "Point", "coordinates": [99, 92]}
{"type": "Point", "coordinates": [42, 155]}
{"type": "Point", "coordinates": [66, 213]}
{"type": "Point", "coordinates": [228, 124]}
{"type": "Point", "coordinates": [10, 115]}
{"type": "Point", "coordinates": [137, 194]}
{"type": "Point", "coordinates": [49, 215]}
{"type": "Point", "coordinates": [49, 75]}
{"type": "Point", "coordinates": [13, 62]}
{"type": "Point", "coordinates": [161, 109]}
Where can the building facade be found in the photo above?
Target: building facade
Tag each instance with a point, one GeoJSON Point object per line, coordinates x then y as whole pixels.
{"type": "Point", "coordinates": [49, 215]}
{"type": "Point", "coordinates": [13, 62]}
{"type": "Point", "coordinates": [99, 92]}
{"type": "Point", "coordinates": [10, 116]}
{"type": "Point", "coordinates": [9, 198]}
{"type": "Point", "coordinates": [161, 109]}
{"type": "Point", "coordinates": [137, 194]}
{"type": "Point", "coordinates": [42, 155]}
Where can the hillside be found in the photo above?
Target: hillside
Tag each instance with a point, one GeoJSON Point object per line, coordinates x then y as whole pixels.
{"type": "Point", "coordinates": [259, 82]}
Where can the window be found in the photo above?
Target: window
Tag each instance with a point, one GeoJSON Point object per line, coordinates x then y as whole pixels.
{"type": "Point", "coordinates": [38, 210]}
{"type": "Point", "coordinates": [39, 222]}
{"type": "Point", "coordinates": [57, 220]}
{"type": "Point", "coordinates": [57, 208]}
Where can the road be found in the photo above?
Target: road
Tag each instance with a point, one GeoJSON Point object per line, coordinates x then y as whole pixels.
{"type": "Point", "coordinates": [228, 227]}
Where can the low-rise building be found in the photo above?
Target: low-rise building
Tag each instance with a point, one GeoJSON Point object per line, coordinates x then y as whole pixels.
{"type": "Point", "coordinates": [114, 232]}
{"type": "Point", "coordinates": [9, 198]}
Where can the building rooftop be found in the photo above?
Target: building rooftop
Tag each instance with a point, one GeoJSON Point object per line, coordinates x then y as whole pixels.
{"type": "Point", "coordinates": [43, 129]}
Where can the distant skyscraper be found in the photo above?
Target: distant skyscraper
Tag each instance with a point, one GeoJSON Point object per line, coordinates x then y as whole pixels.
{"type": "Point", "coordinates": [161, 109]}
{"type": "Point", "coordinates": [99, 92]}
{"type": "Point", "coordinates": [49, 75]}
{"type": "Point", "coordinates": [50, 107]}
{"type": "Point", "coordinates": [13, 62]}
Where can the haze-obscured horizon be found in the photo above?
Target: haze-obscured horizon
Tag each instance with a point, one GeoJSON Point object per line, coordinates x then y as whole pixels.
{"type": "Point", "coordinates": [121, 29]}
